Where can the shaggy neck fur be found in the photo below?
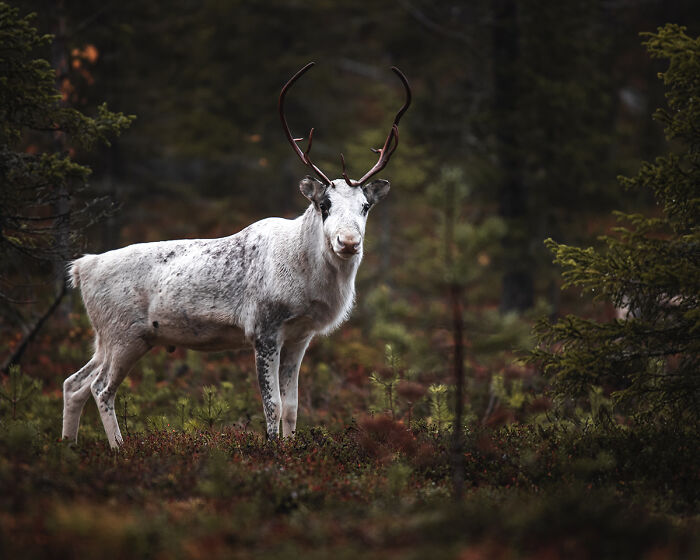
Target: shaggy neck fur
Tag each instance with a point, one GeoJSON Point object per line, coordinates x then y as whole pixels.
{"type": "Point", "coordinates": [332, 278]}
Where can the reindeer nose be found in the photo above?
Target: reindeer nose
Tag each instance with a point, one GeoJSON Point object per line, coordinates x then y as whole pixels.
{"type": "Point", "coordinates": [349, 243]}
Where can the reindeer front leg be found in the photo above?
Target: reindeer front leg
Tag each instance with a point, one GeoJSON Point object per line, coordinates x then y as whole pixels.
{"type": "Point", "coordinates": [292, 354]}
{"type": "Point", "coordinates": [267, 361]}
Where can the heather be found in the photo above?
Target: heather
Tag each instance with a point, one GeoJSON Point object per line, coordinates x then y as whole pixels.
{"type": "Point", "coordinates": [519, 375]}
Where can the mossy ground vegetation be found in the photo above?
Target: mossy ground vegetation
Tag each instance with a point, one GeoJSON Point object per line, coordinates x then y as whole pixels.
{"type": "Point", "coordinates": [589, 449]}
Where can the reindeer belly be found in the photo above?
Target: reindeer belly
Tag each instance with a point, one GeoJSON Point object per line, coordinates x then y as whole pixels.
{"type": "Point", "coordinates": [195, 332]}
{"type": "Point", "coordinates": [194, 319]}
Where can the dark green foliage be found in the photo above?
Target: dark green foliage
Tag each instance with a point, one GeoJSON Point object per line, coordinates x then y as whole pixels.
{"type": "Point", "coordinates": [17, 389]}
{"type": "Point", "coordinates": [39, 219]}
{"type": "Point", "coordinates": [650, 268]}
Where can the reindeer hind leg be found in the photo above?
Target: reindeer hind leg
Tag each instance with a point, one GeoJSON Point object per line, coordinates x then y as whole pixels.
{"type": "Point", "coordinates": [104, 387]}
{"type": "Point", "coordinates": [76, 391]}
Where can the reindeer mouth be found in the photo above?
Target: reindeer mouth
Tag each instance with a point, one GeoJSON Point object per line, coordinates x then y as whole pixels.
{"type": "Point", "coordinates": [346, 254]}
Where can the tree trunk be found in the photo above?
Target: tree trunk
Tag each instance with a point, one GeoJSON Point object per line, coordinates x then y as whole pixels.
{"type": "Point", "coordinates": [61, 251]}
{"type": "Point", "coordinates": [517, 283]}
{"type": "Point", "coordinates": [457, 435]}
{"type": "Point", "coordinates": [455, 304]}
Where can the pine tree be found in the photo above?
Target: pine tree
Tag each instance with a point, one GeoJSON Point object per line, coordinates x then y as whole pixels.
{"type": "Point", "coordinates": [649, 360]}
{"type": "Point", "coordinates": [40, 220]}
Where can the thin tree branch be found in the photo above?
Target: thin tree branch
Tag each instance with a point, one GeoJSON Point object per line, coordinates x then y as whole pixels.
{"type": "Point", "coordinates": [19, 351]}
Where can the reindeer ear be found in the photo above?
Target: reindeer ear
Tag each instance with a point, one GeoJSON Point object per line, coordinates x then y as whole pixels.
{"type": "Point", "coordinates": [312, 188]}
{"type": "Point", "coordinates": [376, 190]}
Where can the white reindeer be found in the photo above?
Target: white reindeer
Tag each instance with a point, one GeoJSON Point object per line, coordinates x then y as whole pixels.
{"type": "Point", "coordinates": [280, 281]}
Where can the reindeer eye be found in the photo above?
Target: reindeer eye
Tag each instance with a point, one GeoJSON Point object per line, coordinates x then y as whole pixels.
{"type": "Point", "coordinates": [365, 208]}
{"type": "Point", "coordinates": [325, 208]}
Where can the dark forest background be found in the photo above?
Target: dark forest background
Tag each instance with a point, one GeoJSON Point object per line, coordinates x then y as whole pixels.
{"type": "Point", "coordinates": [524, 114]}
{"type": "Point", "coordinates": [539, 106]}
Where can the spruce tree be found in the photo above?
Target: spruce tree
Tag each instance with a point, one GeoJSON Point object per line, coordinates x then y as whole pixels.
{"type": "Point", "coordinates": [41, 216]}
{"type": "Point", "coordinates": [649, 267]}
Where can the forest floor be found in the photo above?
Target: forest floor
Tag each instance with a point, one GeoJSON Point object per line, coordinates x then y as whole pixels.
{"type": "Point", "coordinates": [362, 478]}
{"type": "Point", "coordinates": [372, 490]}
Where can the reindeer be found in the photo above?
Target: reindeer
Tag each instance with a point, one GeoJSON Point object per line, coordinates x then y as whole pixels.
{"type": "Point", "coordinates": [280, 281]}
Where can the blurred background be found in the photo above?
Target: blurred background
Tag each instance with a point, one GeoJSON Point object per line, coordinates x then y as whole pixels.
{"type": "Point", "coordinates": [577, 439]}
{"type": "Point", "coordinates": [523, 115]}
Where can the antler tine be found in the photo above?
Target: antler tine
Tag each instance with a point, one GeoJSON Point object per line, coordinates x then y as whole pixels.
{"type": "Point", "coordinates": [395, 136]}
{"type": "Point", "coordinates": [304, 156]}
{"type": "Point", "coordinates": [308, 147]}
{"type": "Point", "coordinates": [392, 139]}
{"type": "Point", "coordinates": [348, 180]}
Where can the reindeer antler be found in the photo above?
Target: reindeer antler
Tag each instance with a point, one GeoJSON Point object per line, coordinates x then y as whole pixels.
{"type": "Point", "coordinates": [304, 156]}
{"type": "Point", "coordinates": [392, 140]}
{"type": "Point", "coordinates": [390, 145]}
